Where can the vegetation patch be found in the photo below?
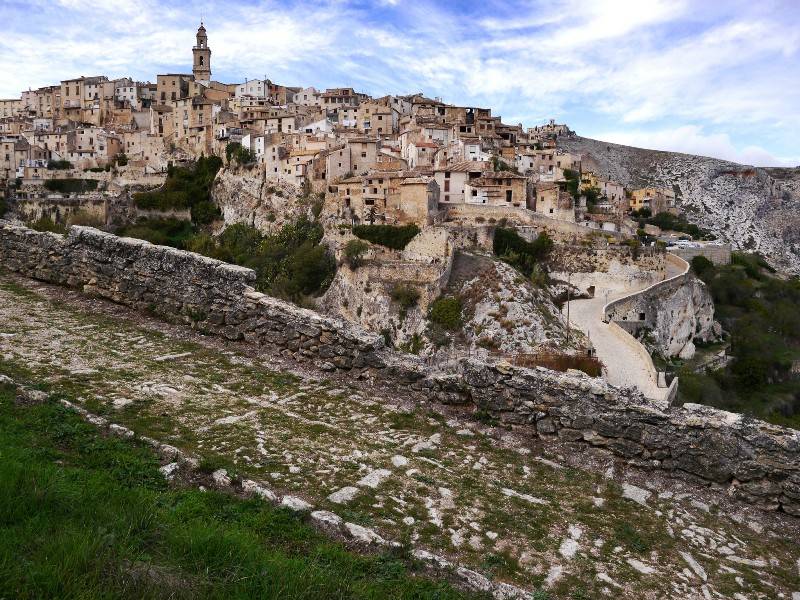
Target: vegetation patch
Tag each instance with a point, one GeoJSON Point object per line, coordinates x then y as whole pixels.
{"type": "Point", "coordinates": [88, 516]}
{"type": "Point", "coordinates": [235, 151]}
{"type": "Point", "coordinates": [447, 312]}
{"type": "Point", "coordinates": [759, 311]}
{"type": "Point", "coordinates": [669, 222]}
{"type": "Point", "coordinates": [58, 165]}
{"type": "Point", "coordinates": [71, 185]}
{"type": "Point", "coordinates": [390, 236]}
{"type": "Point", "coordinates": [292, 264]}
{"type": "Point", "coordinates": [163, 232]}
{"type": "Point", "coordinates": [521, 254]}
{"type": "Point", "coordinates": [354, 251]}
{"type": "Point", "coordinates": [185, 187]}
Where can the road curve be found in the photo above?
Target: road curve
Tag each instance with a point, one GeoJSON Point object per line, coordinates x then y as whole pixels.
{"type": "Point", "coordinates": [624, 359]}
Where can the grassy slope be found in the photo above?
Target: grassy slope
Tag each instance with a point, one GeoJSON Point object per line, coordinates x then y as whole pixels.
{"type": "Point", "coordinates": [87, 516]}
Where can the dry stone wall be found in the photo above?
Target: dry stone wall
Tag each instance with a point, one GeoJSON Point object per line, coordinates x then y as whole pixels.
{"type": "Point", "coordinates": [754, 461]}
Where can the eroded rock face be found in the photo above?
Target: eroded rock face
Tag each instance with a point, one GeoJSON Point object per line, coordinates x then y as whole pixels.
{"type": "Point", "coordinates": [754, 209]}
{"type": "Point", "coordinates": [246, 196]}
{"type": "Point", "coordinates": [517, 316]}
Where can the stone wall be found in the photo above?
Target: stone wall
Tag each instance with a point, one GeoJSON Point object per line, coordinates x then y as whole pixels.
{"type": "Point", "coordinates": [589, 258]}
{"type": "Point", "coordinates": [673, 312]}
{"type": "Point", "coordinates": [749, 459]}
{"type": "Point", "coordinates": [205, 293]}
{"type": "Point", "coordinates": [753, 461]}
{"type": "Point", "coordinates": [719, 254]}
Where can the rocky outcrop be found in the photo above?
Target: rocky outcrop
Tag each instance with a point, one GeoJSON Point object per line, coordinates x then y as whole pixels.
{"type": "Point", "coordinates": [364, 295]}
{"type": "Point", "coordinates": [508, 312]}
{"type": "Point", "coordinates": [246, 196]}
{"type": "Point", "coordinates": [752, 208]}
{"type": "Point", "coordinates": [754, 461]}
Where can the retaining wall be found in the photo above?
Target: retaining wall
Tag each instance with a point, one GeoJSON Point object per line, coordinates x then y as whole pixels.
{"type": "Point", "coordinates": [755, 461]}
{"type": "Point", "coordinates": [719, 254]}
{"type": "Point", "coordinates": [675, 311]}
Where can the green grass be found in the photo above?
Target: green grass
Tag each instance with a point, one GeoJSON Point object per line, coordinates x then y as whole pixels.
{"type": "Point", "coordinates": [88, 516]}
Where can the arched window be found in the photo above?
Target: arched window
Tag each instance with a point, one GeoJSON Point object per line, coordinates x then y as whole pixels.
{"type": "Point", "coordinates": [201, 60]}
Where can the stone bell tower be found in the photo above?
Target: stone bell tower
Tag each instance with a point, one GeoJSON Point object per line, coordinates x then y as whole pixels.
{"type": "Point", "coordinates": [201, 67]}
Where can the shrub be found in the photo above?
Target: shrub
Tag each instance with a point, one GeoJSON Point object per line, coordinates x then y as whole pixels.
{"type": "Point", "coordinates": [573, 182]}
{"type": "Point", "coordinates": [290, 264]}
{"type": "Point", "coordinates": [592, 195]}
{"type": "Point", "coordinates": [390, 236]}
{"type": "Point", "coordinates": [47, 224]}
{"type": "Point", "coordinates": [59, 165]}
{"type": "Point", "coordinates": [406, 296]}
{"type": "Point", "coordinates": [163, 232]}
{"type": "Point", "coordinates": [235, 151]}
{"type": "Point", "coordinates": [71, 185]}
{"type": "Point", "coordinates": [500, 165]}
{"type": "Point", "coordinates": [185, 187]}
{"type": "Point", "coordinates": [447, 312]}
{"type": "Point", "coordinates": [354, 251]}
{"type": "Point", "coordinates": [121, 159]}
{"type": "Point", "coordinates": [205, 212]}
{"type": "Point", "coordinates": [702, 267]}
{"type": "Point", "coordinates": [518, 252]}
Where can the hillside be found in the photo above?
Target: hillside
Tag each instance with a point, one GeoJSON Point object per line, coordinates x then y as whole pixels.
{"type": "Point", "coordinates": [755, 209]}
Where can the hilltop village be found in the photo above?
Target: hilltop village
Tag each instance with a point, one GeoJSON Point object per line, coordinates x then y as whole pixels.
{"type": "Point", "coordinates": [408, 192]}
{"type": "Point", "coordinates": [502, 356]}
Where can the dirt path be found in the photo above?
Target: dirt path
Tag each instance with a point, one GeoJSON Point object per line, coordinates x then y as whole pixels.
{"type": "Point", "coordinates": [484, 496]}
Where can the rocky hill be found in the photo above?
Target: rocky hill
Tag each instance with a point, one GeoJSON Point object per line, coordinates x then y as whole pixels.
{"type": "Point", "coordinates": [755, 209]}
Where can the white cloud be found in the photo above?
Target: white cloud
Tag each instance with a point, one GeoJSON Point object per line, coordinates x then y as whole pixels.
{"type": "Point", "coordinates": [691, 139]}
{"type": "Point", "coordinates": [631, 64]}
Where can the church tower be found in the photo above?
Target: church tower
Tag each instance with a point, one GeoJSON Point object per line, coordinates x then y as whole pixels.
{"type": "Point", "coordinates": [201, 67]}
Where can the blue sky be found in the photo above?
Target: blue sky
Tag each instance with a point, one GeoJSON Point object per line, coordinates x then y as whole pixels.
{"type": "Point", "coordinates": [714, 77]}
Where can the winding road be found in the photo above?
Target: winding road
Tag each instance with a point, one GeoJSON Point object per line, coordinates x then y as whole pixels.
{"type": "Point", "coordinates": [623, 362]}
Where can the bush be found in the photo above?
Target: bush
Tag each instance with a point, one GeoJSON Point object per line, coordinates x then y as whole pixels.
{"type": "Point", "coordinates": [121, 159]}
{"type": "Point", "coordinates": [71, 186]}
{"type": "Point", "coordinates": [354, 251]}
{"type": "Point", "coordinates": [573, 182]}
{"type": "Point", "coordinates": [592, 195]}
{"type": "Point", "coordinates": [185, 187]}
{"type": "Point", "coordinates": [518, 252]}
{"type": "Point", "coordinates": [390, 236]}
{"type": "Point", "coordinates": [447, 312]}
{"type": "Point", "coordinates": [205, 212]}
{"type": "Point", "coordinates": [291, 264]}
{"type": "Point", "coordinates": [406, 296]}
{"type": "Point", "coordinates": [163, 232]}
{"type": "Point", "coordinates": [235, 151]}
{"type": "Point", "coordinates": [47, 224]}
{"type": "Point", "coordinates": [702, 267]}
{"type": "Point", "coordinates": [59, 165]}
{"type": "Point", "coordinates": [668, 221]}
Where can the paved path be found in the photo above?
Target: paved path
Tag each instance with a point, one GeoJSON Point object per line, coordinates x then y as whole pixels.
{"type": "Point", "coordinates": [623, 366]}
